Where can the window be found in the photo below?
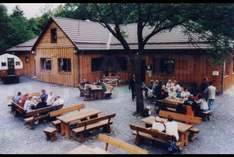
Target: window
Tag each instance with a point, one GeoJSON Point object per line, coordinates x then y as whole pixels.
{"type": "Point", "coordinates": [17, 63]}
{"type": "Point", "coordinates": [46, 63]}
{"type": "Point", "coordinates": [123, 63]}
{"type": "Point", "coordinates": [96, 64]}
{"type": "Point", "coordinates": [164, 66]}
{"type": "Point", "coordinates": [3, 64]}
{"type": "Point", "coordinates": [64, 64]}
{"type": "Point", "coordinates": [53, 35]}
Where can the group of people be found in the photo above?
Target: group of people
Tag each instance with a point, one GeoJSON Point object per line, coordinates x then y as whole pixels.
{"type": "Point", "coordinates": [201, 102]}
{"type": "Point", "coordinates": [28, 102]}
{"type": "Point", "coordinates": [105, 87]}
{"type": "Point", "coordinates": [85, 84]}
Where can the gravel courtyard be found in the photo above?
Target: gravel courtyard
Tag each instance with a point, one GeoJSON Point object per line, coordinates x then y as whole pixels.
{"type": "Point", "coordinates": [216, 135]}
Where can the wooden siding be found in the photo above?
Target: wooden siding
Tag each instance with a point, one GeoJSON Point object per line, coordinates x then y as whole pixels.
{"type": "Point", "coordinates": [62, 49]}
{"type": "Point", "coordinates": [229, 78]}
{"type": "Point", "coordinates": [62, 40]}
{"type": "Point", "coordinates": [188, 68]}
{"type": "Point", "coordinates": [29, 68]}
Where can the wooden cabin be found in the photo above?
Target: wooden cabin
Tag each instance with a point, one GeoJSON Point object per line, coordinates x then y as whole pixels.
{"type": "Point", "coordinates": [25, 53]}
{"type": "Point", "coordinates": [69, 50]}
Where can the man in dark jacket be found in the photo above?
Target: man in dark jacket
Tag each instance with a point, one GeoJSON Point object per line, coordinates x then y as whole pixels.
{"type": "Point", "coordinates": [132, 86]}
{"type": "Point", "coordinates": [203, 88]}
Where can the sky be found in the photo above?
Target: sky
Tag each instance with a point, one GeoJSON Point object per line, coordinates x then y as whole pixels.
{"type": "Point", "coordinates": [31, 9]}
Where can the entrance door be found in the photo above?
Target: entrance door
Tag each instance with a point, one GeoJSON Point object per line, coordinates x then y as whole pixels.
{"type": "Point", "coordinates": [11, 66]}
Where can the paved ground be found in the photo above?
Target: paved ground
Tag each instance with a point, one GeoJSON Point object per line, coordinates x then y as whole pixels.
{"type": "Point", "coordinates": [216, 136]}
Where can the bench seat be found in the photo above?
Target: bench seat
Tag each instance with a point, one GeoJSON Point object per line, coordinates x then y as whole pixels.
{"type": "Point", "coordinates": [50, 133]}
{"type": "Point", "coordinates": [92, 126]}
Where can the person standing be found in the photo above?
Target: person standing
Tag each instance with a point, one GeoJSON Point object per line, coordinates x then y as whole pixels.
{"type": "Point", "coordinates": [211, 94]}
{"type": "Point", "coordinates": [203, 87]}
{"type": "Point", "coordinates": [132, 86]}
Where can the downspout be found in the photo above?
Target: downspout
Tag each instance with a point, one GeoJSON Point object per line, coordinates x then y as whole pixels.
{"type": "Point", "coordinates": [79, 68]}
{"type": "Point", "coordinates": [222, 79]}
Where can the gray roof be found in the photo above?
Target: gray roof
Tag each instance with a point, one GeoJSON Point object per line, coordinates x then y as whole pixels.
{"type": "Point", "coordinates": [92, 35]}
{"type": "Point", "coordinates": [89, 35]}
{"type": "Point", "coordinates": [26, 46]}
{"type": "Point", "coordinates": [85, 34]}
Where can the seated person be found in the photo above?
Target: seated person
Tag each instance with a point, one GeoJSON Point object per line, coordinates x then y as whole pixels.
{"type": "Point", "coordinates": [202, 103]}
{"type": "Point", "coordinates": [17, 97]}
{"type": "Point", "coordinates": [58, 101]}
{"type": "Point", "coordinates": [104, 88]}
{"type": "Point", "coordinates": [42, 101]}
{"type": "Point", "coordinates": [169, 84]}
{"type": "Point", "coordinates": [99, 82]}
{"type": "Point", "coordinates": [50, 99]}
{"type": "Point", "coordinates": [28, 104]}
{"type": "Point", "coordinates": [158, 124]}
{"type": "Point", "coordinates": [22, 100]}
{"type": "Point", "coordinates": [185, 94]}
{"type": "Point", "coordinates": [83, 82]}
{"type": "Point", "coordinates": [171, 128]}
{"type": "Point", "coordinates": [172, 93]}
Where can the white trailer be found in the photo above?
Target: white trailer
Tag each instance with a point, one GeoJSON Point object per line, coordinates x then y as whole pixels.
{"type": "Point", "coordinates": [10, 66]}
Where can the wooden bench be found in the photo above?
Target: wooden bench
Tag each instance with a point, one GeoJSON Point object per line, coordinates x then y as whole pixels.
{"type": "Point", "coordinates": [104, 121]}
{"type": "Point", "coordinates": [50, 133]}
{"type": "Point", "coordinates": [184, 118]}
{"type": "Point", "coordinates": [180, 117]}
{"type": "Point", "coordinates": [143, 132]}
{"type": "Point", "coordinates": [121, 144]}
{"type": "Point", "coordinates": [39, 114]}
{"type": "Point", "coordinates": [53, 114]}
{"type": "Point", "coordinates": [66, 109]}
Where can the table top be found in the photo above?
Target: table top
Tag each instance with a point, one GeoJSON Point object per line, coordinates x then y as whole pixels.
{"type": "Point", "coordinates": [172, 101]}
{"type": "Point", "coordinates": [77, 115]}
{"type": "Point", "coordinates": [182, 127]}
{"type": "Point", "coordinates": [84, 149]}
{"type": "Point", "coordinates": [94, 87]}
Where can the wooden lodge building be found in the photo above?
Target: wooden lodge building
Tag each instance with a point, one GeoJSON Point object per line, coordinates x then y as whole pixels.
{"type": "Point", "coordinates": [69, 50]}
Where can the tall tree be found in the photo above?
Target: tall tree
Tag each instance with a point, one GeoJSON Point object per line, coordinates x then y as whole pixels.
{"type": "Point", "coordinates": [158, 17]}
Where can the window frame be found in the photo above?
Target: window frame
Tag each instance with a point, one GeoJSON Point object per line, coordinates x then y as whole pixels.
{"type": "Point", "coordinates": [69, 68]}
{"type": "Point", "coordinates": [3, 64]}
{"type": "Point", "coordinates": [163, 68]}
{"type": "Point", "coordinates": [43, 66]}
{"type": "Point", "coordinates": [53, 35]}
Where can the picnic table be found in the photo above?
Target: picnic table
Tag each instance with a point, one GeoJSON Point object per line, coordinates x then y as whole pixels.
{"type": "Point", "coordinates": [71, 117]}
{"type": "Point", "coordinates": [96, 91]}
{"type": "Point", "coordinates": [170, 103]}
{"type": "Point", "coordinates": [183, 128]}
{"type": "Point", "coordinates": [84, 149]}
{"type": "Point", "coordinates": [111, 80]}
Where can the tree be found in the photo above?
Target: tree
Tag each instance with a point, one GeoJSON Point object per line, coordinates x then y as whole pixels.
{"type": "Point", "coordinates": [19, 28]}
{"type": "Point", "coordinates": [213, 23]}
{"type": "Point", "coordinates": [158, 17]}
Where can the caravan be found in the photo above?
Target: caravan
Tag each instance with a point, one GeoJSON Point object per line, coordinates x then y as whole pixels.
{"type": "Point", "coordinates": [10, 66]}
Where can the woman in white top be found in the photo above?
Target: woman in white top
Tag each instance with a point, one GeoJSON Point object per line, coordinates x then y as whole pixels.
{"type": "Point", "coordinates": [28, 104]}
{"type": "Point", "coordinates": [172, 93]}
{"type": "Point", "coordinates": [50, 99]}
{"type": "Point", "coordinates": [202, 102]}
{"type": "Point", "coordinates": [58, 101]}
{"type": "Point", "coordinates": [171, 128]}
{"type": "Point", "coordinates": [185, 93]}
